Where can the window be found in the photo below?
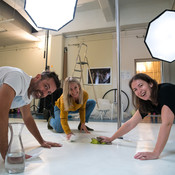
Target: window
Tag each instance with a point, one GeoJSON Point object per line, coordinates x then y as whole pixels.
{"type": "Point", "coordinates": [149, 67]}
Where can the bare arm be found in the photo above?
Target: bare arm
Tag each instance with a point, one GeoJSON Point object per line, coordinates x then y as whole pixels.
{"type": "Point", "coordinates": [31, 125]}
{"type": "Point", "coordinates": [125, 128]}
{"type": "Point", "coordinates": [165, 128]}
{"type": "Point", "coordinates": [7, 95]}
{"type": "Point", "coordinates": [167, 117]}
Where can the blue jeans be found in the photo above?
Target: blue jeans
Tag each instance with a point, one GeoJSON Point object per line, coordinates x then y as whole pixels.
{"type": "Point", "coordinates": [56, 122]}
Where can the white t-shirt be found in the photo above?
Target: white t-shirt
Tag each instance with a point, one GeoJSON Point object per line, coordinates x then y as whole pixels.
{"type": "Point", "coordinates": [19, 81]}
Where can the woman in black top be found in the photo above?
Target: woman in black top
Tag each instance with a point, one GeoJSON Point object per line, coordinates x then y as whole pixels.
{"type": "Point", "coordinates": [148, 97]}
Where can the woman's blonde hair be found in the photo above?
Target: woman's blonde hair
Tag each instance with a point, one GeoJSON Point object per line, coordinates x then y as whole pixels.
{"type": "Point", "coordinates": [67, 98]}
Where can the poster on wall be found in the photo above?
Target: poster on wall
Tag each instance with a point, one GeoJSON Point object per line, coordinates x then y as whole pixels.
{"type": "Point", "coordinates": [100, 76]}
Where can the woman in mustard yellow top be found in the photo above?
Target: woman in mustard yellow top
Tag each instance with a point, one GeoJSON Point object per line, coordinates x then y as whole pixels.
{"type": "Point", "coordinates": [73, 100]}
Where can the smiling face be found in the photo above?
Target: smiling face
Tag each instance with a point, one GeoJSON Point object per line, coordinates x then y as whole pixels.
{"type": "Point", "coordinates": [142, 89]}
{"type": "Point", "coordinates": [74, 90]}
{"type": "Point", "coordinates": [41, 88]}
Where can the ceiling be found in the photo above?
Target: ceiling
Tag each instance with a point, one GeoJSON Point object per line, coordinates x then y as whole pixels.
{"type": "Point", "coordinates": [92, 16]}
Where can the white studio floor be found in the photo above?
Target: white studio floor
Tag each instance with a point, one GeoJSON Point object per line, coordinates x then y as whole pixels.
{"type": "Point", "coordinates": [83, 158]}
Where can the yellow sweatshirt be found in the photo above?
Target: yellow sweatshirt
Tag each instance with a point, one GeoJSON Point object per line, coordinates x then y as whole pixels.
{"type": "Point", "coordinates": [64, 114]}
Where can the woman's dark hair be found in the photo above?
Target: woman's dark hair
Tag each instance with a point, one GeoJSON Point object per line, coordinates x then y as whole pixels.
{"type": "Point", "coordinates": [142, 105]}
{"type": "Point", "coordinates": [47, 74]}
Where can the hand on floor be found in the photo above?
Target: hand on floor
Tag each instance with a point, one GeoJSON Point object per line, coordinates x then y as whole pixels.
{"type": "Point", "coordinates": [83, 128]}
{"type": "Point", "coordinates": [146, 156]}
{"type": "Point", "coordinates": [47, 144]}
{"type": "Point", "coordinates": [98, 140]}
{"type": "Point", "coordinates": [27, 156]}
{"type": "Point", "coordinates": [71, 137]}
{"type": "Point", "coordinates": [105, 139]}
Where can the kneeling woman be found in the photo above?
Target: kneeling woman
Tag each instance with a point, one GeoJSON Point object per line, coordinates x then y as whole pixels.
{"type": "Point", "coordinates": [73, 100]}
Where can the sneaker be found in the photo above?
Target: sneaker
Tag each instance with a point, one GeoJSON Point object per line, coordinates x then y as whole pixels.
{"type": "Point", "coordinates": [89, 129]}
{"type": "Point", "coordinates": [48, 124]}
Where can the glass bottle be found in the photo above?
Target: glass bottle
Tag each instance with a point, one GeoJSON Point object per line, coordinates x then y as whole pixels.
{"type": "Point", "coordinates": [15, 157]}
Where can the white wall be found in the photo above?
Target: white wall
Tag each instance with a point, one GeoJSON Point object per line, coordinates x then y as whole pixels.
{"type": "Point", "coordinates": [56, 54]}
{"type": "Point", "coordinates": [101, 53]}
{"type": "Point", "coordinates": [132, 47]}
{"type": "Point", "coordinates": [28, 57]}
{"type": "Point", "coordinates": [101, 47]}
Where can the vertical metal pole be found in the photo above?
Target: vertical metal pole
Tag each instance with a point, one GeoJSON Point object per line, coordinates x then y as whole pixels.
{"type": "Point", "coordinates": [46, 47]}
{"type": "Point", "coordinates": [46, 57]}
{"type": "Point", "coordinates": [117, 18]}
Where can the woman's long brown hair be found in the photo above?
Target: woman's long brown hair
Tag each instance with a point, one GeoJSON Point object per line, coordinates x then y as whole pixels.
{"type": "Point", "coordinates": [142, 105]}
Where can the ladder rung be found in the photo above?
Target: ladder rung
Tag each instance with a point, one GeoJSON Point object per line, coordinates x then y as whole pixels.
{"type": "Point", "coordinates": [82, 62]}
{"type": "Point", "coordinates": [77, 70]}
{"type": "Point", "coordinates": [77, 77]}
{"type": "Point", "coordinates": [88, 84]}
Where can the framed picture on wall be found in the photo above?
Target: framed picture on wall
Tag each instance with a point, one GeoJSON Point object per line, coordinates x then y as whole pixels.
{"type": "Point", "coordinates": [100, 76]}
